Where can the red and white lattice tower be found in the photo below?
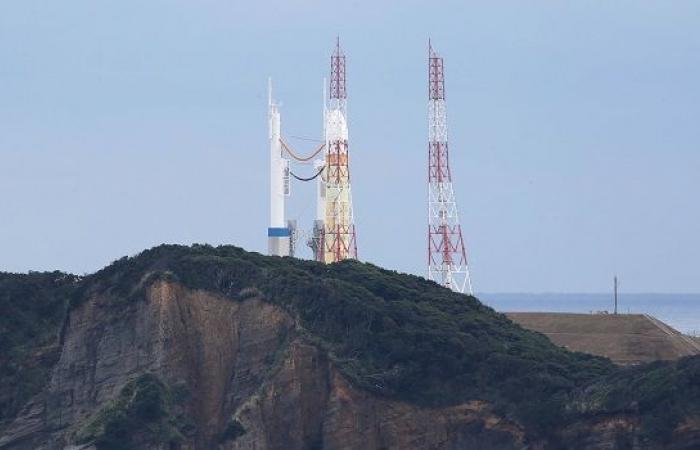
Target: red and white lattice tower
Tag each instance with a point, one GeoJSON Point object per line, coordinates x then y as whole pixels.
{"type": "Point", "coordinates": [447, 257]}
{"type": "Point", "coordinates": [338, 240]}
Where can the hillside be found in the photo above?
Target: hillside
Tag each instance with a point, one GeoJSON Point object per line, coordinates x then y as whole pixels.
{"type": "Point", "coordinates": [624, 338]}
{"type": "Point", "coordinates": [202, 347]}
{"type": "Point", "coordinates": [32, 310]}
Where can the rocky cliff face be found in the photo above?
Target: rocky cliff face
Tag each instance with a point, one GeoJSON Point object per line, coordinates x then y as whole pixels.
{"type": "Point", "coordinates": [192, 348]}
{"type": "Point", "coordinates": [242, 362]}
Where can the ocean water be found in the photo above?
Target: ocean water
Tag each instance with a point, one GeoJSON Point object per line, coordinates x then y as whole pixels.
{"type": "Point", "coordinates": [681, 311]}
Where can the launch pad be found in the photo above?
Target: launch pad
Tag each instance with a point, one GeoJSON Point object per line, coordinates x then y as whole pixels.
{"type": "Point", "coordinates": [332, 237]}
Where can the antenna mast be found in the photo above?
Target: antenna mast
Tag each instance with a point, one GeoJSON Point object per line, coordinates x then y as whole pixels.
{"type": "Point", "coordinates": [447, 256]}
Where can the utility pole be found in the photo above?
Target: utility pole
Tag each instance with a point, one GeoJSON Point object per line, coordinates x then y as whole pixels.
{"type": "Point", "coordinates": [615, 283]}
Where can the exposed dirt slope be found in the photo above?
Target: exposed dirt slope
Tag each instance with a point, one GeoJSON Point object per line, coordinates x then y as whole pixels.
{"type": "Point", "coordinates": [184, 348]}
{"type": "Point", "coordinates": [244, 363]}
{"type": "Point", "coordinates": [624, 338]}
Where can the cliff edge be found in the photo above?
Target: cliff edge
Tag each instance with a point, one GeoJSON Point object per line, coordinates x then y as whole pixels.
{"type": "Point", "coordinates": [201, 347]}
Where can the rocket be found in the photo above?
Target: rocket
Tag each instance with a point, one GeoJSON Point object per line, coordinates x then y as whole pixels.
{"type": "Point", "coordinates": [278, 233]}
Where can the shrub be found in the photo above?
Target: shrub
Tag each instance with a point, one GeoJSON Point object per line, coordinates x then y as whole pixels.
{"type": "Point", "coordinates": [142, 410]}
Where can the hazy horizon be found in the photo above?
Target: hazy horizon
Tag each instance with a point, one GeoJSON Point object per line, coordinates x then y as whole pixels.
{"type": "Point", "coordinates": [574, 141]}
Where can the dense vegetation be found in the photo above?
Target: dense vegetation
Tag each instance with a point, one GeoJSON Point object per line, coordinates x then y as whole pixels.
{"type": "Point", "coordinates": [663, 394]}
{"type": "Point", "coordinates": [143, 413]}
{"type": "Point", "coordinates": [396, 335]}
{"type": "Point", "coordinates": [32, 308]}
{"type": "Point", "coordinates": [404, 337]}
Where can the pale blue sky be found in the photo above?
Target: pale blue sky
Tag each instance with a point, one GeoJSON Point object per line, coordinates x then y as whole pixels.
{"type": "Point", "coordinates": [573, 126]}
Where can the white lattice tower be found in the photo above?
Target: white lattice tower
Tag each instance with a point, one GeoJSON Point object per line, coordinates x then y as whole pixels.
{"type": "Point", "coordinates": [338, 238]}
{"type": "Point", "coordinates": [447, 256]}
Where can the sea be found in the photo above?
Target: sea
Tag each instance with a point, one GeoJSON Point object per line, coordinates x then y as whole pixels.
{"type": "Point", "coordinates": [681, 311]}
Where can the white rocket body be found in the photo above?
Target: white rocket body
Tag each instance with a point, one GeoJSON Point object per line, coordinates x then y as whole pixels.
{"type": "Point", "coordinates": [318, 164]}
{"type": "Point", "coordinates": [278, 233]}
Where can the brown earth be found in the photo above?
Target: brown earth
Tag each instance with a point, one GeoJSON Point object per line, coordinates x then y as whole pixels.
{"type": "Point", "coordinates": [250, 362]}
{"type": "Point", "coordinates": [246, 361]}
{"type": "Point", "coordinates": [624, 338]}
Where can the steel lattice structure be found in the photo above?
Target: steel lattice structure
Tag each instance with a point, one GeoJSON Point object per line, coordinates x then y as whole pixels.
{"type": "Point", "coordinates": [447, 256]}
{"type": "Point", "coordinates": [337, 239]}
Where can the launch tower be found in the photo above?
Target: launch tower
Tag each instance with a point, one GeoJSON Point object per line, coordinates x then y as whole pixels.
{"type": "Point", "coordinates": [335, 239]}
{"type": "Point", "coordinates": [333, 236]}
